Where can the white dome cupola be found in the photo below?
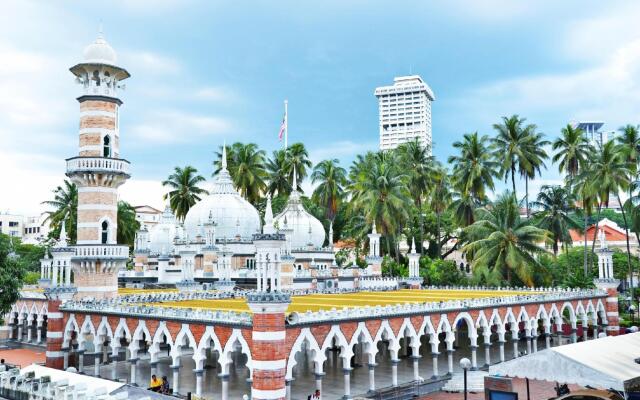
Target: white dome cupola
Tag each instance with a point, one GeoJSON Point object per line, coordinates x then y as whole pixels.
{"type": "Point", "coordinates": [162, 236]}
{"type": "Point", "coordinates": [232, 215]}
{"type": "Point", "coordinates": [306, 229]}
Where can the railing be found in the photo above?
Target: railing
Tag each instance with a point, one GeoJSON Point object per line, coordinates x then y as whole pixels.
{"type": "Point", "coordinates": [102, 251]}
{"type": "Point", "coordinates": [97, 164]}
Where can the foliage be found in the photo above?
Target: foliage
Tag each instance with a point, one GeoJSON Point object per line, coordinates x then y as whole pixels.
{"type": "Point", "coordinates": [31, 278]}
{"type": "Point", "coordinates": [65, 209]}
{"type": "Point", "coordinates": [441, 272]}
{"type": "Point", "coordinates": [128, 225]}
{"type": "Point", "coordinates": [184, 191]}
{"type": "Point", "coordinates": [331, 180]}
{"type": "Point", "coordinates": [391, 267]}
{"type": "Point", "coordinates": [12, 273]}
{"type": "Point", "coordinates": [246, 165]}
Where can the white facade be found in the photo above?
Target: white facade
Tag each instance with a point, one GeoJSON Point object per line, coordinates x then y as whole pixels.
{"type": "Point", "coordinates": [31, 229]}
{"type": "Point", "coordinates": [405, 112]}
{"type": "Point", "coordinates": [11, 224]}
{"type": "Point", "coordinates": [593, 132]}
{"type": "Point", "coordinates": [147, 215]}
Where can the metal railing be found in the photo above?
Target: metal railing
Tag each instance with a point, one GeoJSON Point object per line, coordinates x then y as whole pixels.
{"type": "Point", "coordinates": [98, 164]}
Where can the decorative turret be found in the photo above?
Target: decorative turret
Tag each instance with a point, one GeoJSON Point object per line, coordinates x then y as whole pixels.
{"type": "Point", "coordinates": [268, 218]}
{"type": "Point", "coordinates": [374, 260]}
{"type": "Point", "coordinates": [98, 172]}
{"type": "Point", "coordinates": [608, 283]}
{"type": "Point", "coordinates": [414, 267]}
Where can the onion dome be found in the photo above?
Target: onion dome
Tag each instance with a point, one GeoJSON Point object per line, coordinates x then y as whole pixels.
{"type": "Point", "coordinates": [100, 52]}
{"type": "Point", "coordinates": [233, 215]}
{"type": "Point", "coordinates": [161, 236]}
{"type": "Point", "coordinates": [307, 230]}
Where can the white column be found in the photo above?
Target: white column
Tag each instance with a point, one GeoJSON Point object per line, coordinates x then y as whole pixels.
{"type": "Point", "coordinates": [39, 332]}
{"type": "Point", "coordinates": [474, 358]}
{"type": "Point", "coordinates": [347, 383]}
{"type": "Point", "coordinates": [29, 329]}
{"type": "Point", "coordinates": [42, 269]}
{"type": "Point", "coordinates": [416, 368]}
{"type": "Point", "coordinates": [528, 344]}
{"type": "Point", "coordinates": [176, 378]}
{"type": "Point", "coordinates": [225, 386]}
{"type": "Point", "coordinates": [199, 374]}
{"type": "Point", "coordinates": [65, 363]}
{"type": "Point", "coordinates": [450, 360]}
{"type": "Point", "coordinates": [96, 363]}
{"type": "Point", "coordinates": [547, 340]}
{"type": "Point", "coordinates": [487, 353]}
{"type": "Point", "coordinates": [133, 363]}
{"type": "Point", "coordinates": [259, 273]}
{"type": "Point", "coordinates": [434, 358]}
{"type": "Point", "coordinates": [372, 378]}
{"type": "Point", "coordinates": [515, 345]}
{"type": "Point", "coordinates": [394, 372]}
{"type": "Point", "coordinates": [319, 383]}
{"type": "Point", "coordinates": [501, 344]}
{"type": "Point", "coordinates": [68, 275]}
{"type": "Point", "coordinates": [80, 360]}
{"type": "Point", "coordinates": [534, 339]}
{"type": "Point", "coordinates": [54, 279]}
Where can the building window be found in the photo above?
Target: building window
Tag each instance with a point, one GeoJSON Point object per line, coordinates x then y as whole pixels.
{"type": "Point", "coordinates": [13, 223]}
{"type": "Point", "coordinates": [96, 77]}
{"type": "Point", "coordinates": [105, 232]}
{"type": "Point", "coordinates": [106, 146]}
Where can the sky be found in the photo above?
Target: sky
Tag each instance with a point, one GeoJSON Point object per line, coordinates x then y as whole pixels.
{"type": "Point", "coordinates": [205, 72]}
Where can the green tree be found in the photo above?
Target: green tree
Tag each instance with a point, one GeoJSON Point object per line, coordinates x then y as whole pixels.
{"type": "Point", "coordinates": [510, 147]}
{"type": "Point", "coordinates": [439, 199]}
{"type": "Point", "coordinates": [555, 205]}
{"type": "Point", "coordinates": [184, 191]}
{"type": "Point", "coordinates": [572, 151]}
{"type": "Point", "coordinates": [474, 168]}
{"type": "Point", "coordinates": [278, 178]}
{"type": "Point", "coordinates": [12, 273]}
{"type": "Point", "coordinates": [298, 157]}
{"type": "Point", "coordinates": [331, 180]}
{"type": "Point", "coordinates": [128, 225]}
{"type": "Point", "coordinates": [532, 160]}
{"type": "Point", "coordinates": [500, 240]}
{"type": "Point", "coordinates": [419, 165]}
{"type": "Point", "coordinates": [65, 209]}
{"type": "Point", "coordinates": [246, 165]}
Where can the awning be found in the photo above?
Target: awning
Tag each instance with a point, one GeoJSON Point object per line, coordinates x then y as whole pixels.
{"type": "Point", "coordinates": [606, 363]}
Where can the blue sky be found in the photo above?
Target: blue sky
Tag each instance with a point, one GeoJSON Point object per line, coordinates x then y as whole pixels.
{"type": "Point", "coordinates": [204, 72]}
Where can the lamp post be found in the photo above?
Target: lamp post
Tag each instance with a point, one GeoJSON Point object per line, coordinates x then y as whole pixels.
{"type": "Point", "coordinates": [465, 364]}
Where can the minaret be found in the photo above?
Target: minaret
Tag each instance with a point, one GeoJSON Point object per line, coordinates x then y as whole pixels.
{"type": "Point", "coordinates": [98, 171]}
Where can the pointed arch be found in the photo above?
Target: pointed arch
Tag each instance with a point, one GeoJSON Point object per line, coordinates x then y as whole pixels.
{"type": "Point", "coordinates": [104, 329]}
{"type": "Point", "coordinates": [319, 356]}
{"type": "Point", "coordinates": [71, 326]}
{"type": "Point", "coordinates": [122, 330]}
{"type": "Point", "coordinates": [236, 336]}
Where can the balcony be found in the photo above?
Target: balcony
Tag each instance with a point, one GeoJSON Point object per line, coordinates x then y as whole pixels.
{"type": "Point", "coordinates": [101, 252]}
{"type": "Point", "coordinates": [97, 165]}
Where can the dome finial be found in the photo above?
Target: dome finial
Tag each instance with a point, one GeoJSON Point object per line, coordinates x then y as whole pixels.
{"type": "Point", "coordinates": [100, 30]}
{"type": "Point", "coordinates": [224, 155]}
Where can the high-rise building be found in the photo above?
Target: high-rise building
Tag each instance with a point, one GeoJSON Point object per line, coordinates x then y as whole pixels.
{"type": "Point", "coordinates": [593, 132]}
{"type": "Point", "coordinates": [405, 112]}
{"type": "Point", "coordinates": [98, 171]}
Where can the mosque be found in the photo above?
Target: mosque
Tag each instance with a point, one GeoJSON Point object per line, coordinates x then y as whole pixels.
{"type": "Point", "coordinates": [282, 319]}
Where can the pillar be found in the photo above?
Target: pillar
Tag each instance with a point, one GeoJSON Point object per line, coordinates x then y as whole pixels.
{"type": "Point", "coordinates": [319, 382]}
{"type": "Point", "coordinates": [501, 344]}
{"type": "Point", "coordinates": [416, 368]}
{"type": "Point", "coordinates": [611, 305]}
{"type": "Point", "coordinates": [528, 338]}
{"type": "Point", "coordinates": [199, 373]}
{"type": "Point", "coordinates": [65, 358]}
{"type": "Point", "coordinates": [515, 345]}
{"type": "Point", "coordinates": [67, 276]}
{"type": "Point", "coordinates": [547, 340]}
{"type": "Point", "coordinates": [534, 340]}
{"type": "Point", "coordinates": [39, 332]}
{"type": "Point", "coordinates": [595, 331]}
{"type": "Point", "coordinates": [585, 331]}
{"type": "Point", "coordinates": [133, 363]}
{"type": "Point", "coordinates": [574, 335]}
{"type": "Point", "coordinates": [268, 336]}
{"type": "Point", "coordinates": [487, 354]}
{"type": "Point", "coordinates": [153, 366]}
{"type": "Point", "coordinates": [347, 383]}
{"type": "Point", "coordinates": [224, 378]}
{"type": "Point", "coordinates": [96, 363]}
{"type": "Point", "coordinates": [287, 385]}
{"type": "Point", "coordinates": [394, 372]}
{"type": "Point", "coordinates": [29, 330]}
{"type": "Point", "coordinates": [114, 364]}
{"type": "Point", "coordinates": [372, 377]}
{"type": "Point", "coordinates": [55, 325]}
{"type": "Point", "coordinates": [20, 325]}
{"type": "Point", "coordinates": [176, 378]}
{"type": "Point", "coordinates": [434, 358]}
{"type": "Point", "coordinates": [450, 360]}
{"type": "Point", "coordinates": [474, 358]}
{"type": "Point", "coordinates": [80, 360]}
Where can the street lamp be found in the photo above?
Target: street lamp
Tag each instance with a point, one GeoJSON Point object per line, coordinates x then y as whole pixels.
{"type": "Point", "coordinates": [465, 364]}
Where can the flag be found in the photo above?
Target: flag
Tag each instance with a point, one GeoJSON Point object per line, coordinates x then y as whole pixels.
{"type": "Point", "coordinates": [282, 127]}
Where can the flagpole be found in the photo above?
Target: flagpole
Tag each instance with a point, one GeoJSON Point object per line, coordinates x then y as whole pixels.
{"type": "Point", "coordinates": [286, 124]}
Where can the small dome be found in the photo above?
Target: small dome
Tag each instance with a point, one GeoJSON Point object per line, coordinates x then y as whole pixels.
{"type": "Point", "coordinates": [161, 236]}
{"type": "Point", "coordinates": [100, 52]}
{"type": "Point", "coordinates": [231, 213]}
{"type": "Point", "coordinates": [306, 229]}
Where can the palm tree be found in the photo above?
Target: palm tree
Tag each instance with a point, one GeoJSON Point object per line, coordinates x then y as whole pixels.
{"type": "Point", "coordinates": [555, 204]}
{"type": "Point", "coordinates": [331, 179]}
{"type": "Point", "coordinates": [463, 207]}
{"type": "Point", "coordinates": [532, 159]}
{"type": "Point", "coordinates": [572, 150]}
{"type": "Point", "coordinates": [419, 164]}
{"type": "Point", "coordinates": [501, 240]}
{"type": "Point", "coordinates": [246, 165]}
{"type": "Point", "coordinates": [278, 180]}
{"type": "Point", "coordinates": [583, 189]}
{"type": "Point", "coordinates": [509, 147]}
{"type": "Point", "coordinates": [184, 191]}
{"type": "Point", "coordinates": [298, 157]}
{"type": "Point", "coordinates": [128, 225]}
{"type": "Point", "coordinates": [379, 191]}
{"type": "Point", "coordinates": [65, 204]}
{"type": "Point", "coordinates": [440, 198]}
{"type": "Point", "coordinates": [475, 168]}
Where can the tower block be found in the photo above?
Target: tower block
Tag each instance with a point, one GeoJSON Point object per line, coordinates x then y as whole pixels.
{"type": "Point", "coordinates": [98, 171]}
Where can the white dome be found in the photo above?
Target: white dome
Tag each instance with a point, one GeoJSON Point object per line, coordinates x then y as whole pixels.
{"type": "Point", "coordinates": [306, 228]}
{"type": "Point", "coordinates": [161, 236]}
{"type": "Point", "coordinates": [231, 213]}
{"type": "Point", "coordinates": [100, 52]}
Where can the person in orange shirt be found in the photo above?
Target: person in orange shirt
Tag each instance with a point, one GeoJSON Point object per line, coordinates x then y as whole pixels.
{"type": "Point", "coordinates": [155, 384]}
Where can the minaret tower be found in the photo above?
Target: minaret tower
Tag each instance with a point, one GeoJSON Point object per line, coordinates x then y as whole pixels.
{"type": "Point", "coordinates": [98, 171]}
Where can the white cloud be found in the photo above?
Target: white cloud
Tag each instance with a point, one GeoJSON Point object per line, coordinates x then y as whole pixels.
{"type": "Point", "coordinates": [212, 93]}
{"type": "Point", "coordinates": [173, 126]}
{"type": "Point", "coordinates": [341, 149]}
{"type": "Point", "coordinates": [148, 63]}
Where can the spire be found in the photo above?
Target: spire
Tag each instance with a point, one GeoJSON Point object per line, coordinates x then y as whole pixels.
{"type": "Point", "coordinates": [331, 234]}
{"type": "Point", "coordinates": [413, 245]}
{"type": "Point", "coordinates": [294, 184]}
{"type": "Point", "coordinates": [62, 242]}
{"type": "Point", "coordinates": [268, 217]}
{"type": "Point", "coordinates": [224, 155]}
{"type": "Point", "coordinates": [373, 228]}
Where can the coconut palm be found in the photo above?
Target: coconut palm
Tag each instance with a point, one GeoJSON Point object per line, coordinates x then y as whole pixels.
{"type": "Point", "coordinates": [572, 150]}
{"type": "Point", "coordinates": [128, 225]}
{"type": "Point", "coordinates": [501, 240]}
{"type": "Point", "coordinates": [65, 204]}
{"type": "Point", "coordinates": [380, 192]}
{"type": "Point", "coordinates": [331, 180]}
{"type": "Point", "coordinates": [298, 157]}
{"type": "Point", "coordinates": [583, 189]}
{"type": "Point", "coordinates": [184, 191]}
{"type": "Point", "coordinates": [419, 166]}
{"type": "Point", "coordinates": [439, 198]}
{"type": "Point", "coordinates": [532, 159]}
{"type": "Point", "coordinates": [463, 207]}
{"type": "Point", "coordinates": [509, 147]}
{"type": "Point", "coordinates": [278, 179]}
{"type": "Point", "coordinates": [246, 165]}
{"type": "Point", "coordinates": [554, 204]}
{"type": "Point", "coordinates": [474, 168]}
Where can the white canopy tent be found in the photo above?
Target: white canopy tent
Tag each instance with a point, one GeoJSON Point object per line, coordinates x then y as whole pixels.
{"type": "Point", "coordinates": [606, 363]}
